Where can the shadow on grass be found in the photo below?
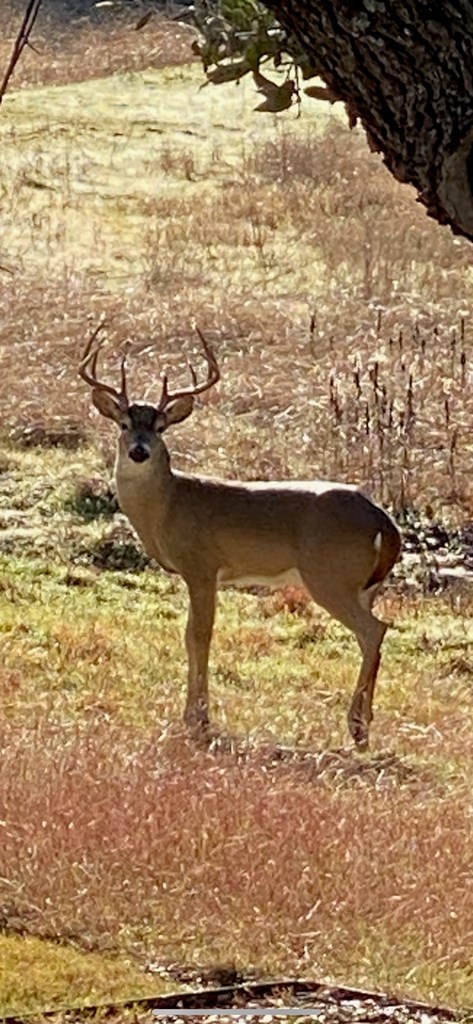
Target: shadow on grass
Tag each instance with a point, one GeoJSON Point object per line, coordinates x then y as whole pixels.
{"type": "Point", "coordinates": [341, 764]}
{"type": "Point", "coordinates": [92, 499]}
{"type": "Point", "coordinates": [68, 435]}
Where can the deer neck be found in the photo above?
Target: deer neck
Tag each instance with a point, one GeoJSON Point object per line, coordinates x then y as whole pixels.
{"type": "Point", "coordinates": [144, 493]}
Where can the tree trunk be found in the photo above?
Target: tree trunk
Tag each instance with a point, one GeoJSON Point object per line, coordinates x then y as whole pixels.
{"type": "Point", "coordinates": [405, 69]}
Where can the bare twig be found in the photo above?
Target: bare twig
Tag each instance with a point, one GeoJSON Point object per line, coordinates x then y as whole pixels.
{"type": "Point", "coordinates": [22, 40]}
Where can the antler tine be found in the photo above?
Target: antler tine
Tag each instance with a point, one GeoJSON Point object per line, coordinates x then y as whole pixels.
{"type": "Point", "coordinates": [88, 369]}
{"type": "Point", "coordinates": [193, 375]}
{"type": "Point", "coordinates": [213, 367]}
{"type": "Point", "coordinates": [164, 399]}
{"type": "Point", "coordinates": [213, 375]}
{"type": "Point", "coordinates": [89, 357]}
{"type": "Point", "coordinates": [123, 393]}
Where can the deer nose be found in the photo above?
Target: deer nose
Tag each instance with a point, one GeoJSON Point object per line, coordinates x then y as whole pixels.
{"type": "Point", "coordinates": [139, 453]}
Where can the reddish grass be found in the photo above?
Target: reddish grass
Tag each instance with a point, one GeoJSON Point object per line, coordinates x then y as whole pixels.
{"type": "Point", "coordinates": [165, 841]}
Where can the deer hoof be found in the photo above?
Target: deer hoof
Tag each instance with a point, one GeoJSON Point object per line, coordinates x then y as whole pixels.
{"type": "Point", "coordinates": [196, 719]}
{"type": "Point", "coordinates": [360, 736]}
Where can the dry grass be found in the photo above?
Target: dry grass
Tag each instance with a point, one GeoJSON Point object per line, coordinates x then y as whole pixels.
{"type": "Point", "coordinates": [153, 233]}
{"type": "Point", "coordinates": [387, 404]}
{"type": "Point", "coordinates": [143, 199]}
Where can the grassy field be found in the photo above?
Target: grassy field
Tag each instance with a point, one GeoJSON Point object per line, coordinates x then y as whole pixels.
{"type": "Point", "coordinates": [130, 858]}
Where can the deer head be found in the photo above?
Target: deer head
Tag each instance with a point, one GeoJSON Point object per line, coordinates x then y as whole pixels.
{"type": "Point", "coordinates": [143, 425]}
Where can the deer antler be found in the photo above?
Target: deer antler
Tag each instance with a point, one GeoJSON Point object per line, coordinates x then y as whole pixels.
{"type": "Point", "coordinates": [88, 370]}
{"type": "Point", "coordinates": [213, 375]}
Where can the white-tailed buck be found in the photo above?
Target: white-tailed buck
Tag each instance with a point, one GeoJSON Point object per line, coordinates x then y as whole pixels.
{"type": "Point", "coordinates": [327, 536]}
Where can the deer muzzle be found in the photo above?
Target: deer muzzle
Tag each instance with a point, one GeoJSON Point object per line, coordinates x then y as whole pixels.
{"type": "Point", "coordinates": [139, 453]}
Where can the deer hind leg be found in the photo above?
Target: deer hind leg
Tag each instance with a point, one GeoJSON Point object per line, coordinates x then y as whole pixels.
{"type": "Point", "coordinates": [198, 635]}
{"type": "Point", "coordinates": [370, 638]}
{"type": "Point", "coordinates": [353, 610]}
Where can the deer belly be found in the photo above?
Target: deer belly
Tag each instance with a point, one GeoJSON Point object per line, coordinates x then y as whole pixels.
{"type": "Point", "coordinates": [228, 577]}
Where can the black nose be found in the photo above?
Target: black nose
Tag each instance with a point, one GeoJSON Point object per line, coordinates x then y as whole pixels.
{"type": "Point", "coordinates": [138, 453]}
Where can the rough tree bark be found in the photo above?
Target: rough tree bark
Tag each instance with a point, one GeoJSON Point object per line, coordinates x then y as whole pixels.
{"type": "Point", "coordinates": [405, 69]}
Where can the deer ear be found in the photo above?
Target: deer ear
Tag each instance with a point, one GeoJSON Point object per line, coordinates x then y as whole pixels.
{"type": "Point", "coordinates": [106, 404]}
{"type": "Point", "coordinates": [178, 411]}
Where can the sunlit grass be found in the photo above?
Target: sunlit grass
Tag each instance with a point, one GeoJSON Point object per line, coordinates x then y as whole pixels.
{"type": "Point", "coordinates": [279, 848]}
{"type": "Point", "coordinates": [95, 166]}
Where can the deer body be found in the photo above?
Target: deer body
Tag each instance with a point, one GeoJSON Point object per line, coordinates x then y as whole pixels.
{"type": "Point", "coordinates": [327, 536]}
{"type": "Point", "coordinates": [254, 532]}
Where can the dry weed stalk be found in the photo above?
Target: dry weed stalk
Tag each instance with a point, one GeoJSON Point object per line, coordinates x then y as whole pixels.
{"type": "Point", "coordinates": [386, 412]}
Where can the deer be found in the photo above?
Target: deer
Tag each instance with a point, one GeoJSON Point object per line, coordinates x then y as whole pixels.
{"type": "Point", "coordinates": [328, 537]}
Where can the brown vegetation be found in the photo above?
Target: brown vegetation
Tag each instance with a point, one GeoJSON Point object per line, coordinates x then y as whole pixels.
{"type": "Point", "coordinates": [71, 49]}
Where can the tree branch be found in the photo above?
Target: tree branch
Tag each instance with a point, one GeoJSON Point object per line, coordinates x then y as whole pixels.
{"type": "Point", "coordinates": [22, 40]}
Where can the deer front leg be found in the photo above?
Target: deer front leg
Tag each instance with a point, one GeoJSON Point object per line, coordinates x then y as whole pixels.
{"type": "Point", "coordinates": [198, 636]}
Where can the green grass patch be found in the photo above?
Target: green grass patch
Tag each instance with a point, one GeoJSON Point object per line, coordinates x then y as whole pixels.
{"type": "Point", "coordinates": [38, 974]}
